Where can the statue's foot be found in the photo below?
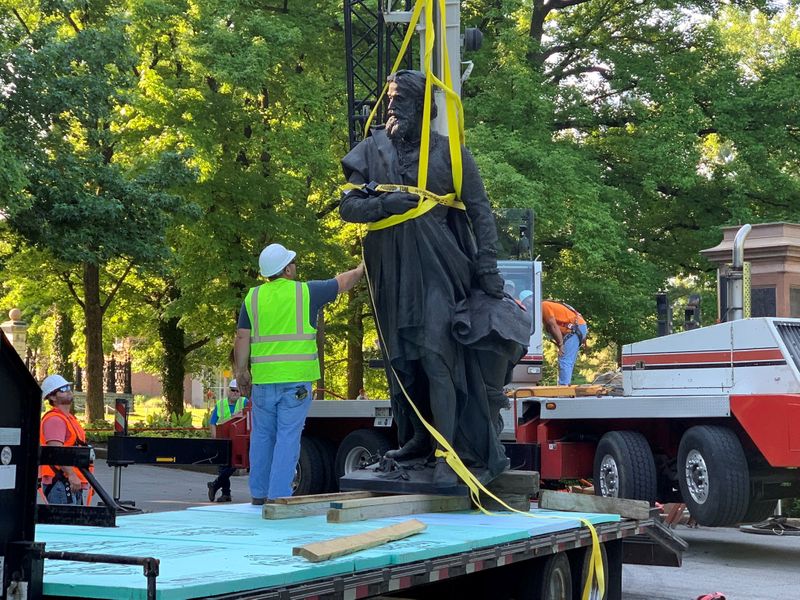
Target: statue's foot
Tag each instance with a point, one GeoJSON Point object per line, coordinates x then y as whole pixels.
{"type": "Point", "coordinates": [443, 475]}
{"type": "Point", "coordinates": [416, 447]}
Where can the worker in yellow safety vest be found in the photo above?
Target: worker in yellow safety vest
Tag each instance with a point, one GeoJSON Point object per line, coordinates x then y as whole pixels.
{"type": "Point", "coordinates": [276, 354]}
{"type": "Point", "coordinates": [225, 409]}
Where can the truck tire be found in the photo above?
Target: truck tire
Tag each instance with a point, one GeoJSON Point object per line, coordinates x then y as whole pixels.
{"type": "Point", "coordinates": [309, 475]}
{"type": "Point", "coordinates": [713, 475]}
{"type": "Point", "coordinates": [581, 572]}
{"type": "Point", "coordinates": [327, 454]}
{"type": "Point", "coordinates": [760, 510]}
{"type": "Point", "coordinates": [358, 448]}
{"type": "Point", "coordinates": [556, 579]}
{"type": "Point", "coordinates": [624, 467]}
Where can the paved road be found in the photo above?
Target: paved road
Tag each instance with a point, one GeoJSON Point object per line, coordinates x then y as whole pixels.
{"type": "Point", "coordinates": [743, 566]}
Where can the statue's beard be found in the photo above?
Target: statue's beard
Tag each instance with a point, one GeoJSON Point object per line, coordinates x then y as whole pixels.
{"type": "Point", "coordinates": [401, 129]}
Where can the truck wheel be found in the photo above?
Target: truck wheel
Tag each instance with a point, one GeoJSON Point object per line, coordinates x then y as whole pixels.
{"type": "Point", "coordinates": [309, 477]}
{"type": "Point", "coordinates": [760, 510]}
{"type": "Point", "coordinates": [624, 467]}
{"type": "Point", "coordinates": [578, 583]}
{"type": "Point", "coordinates": [713, 475]}
{"type": "Point", "coordinates": [358, 448]}
{"type": "Point", "coordinates": [556, 581]}
{"type": "Point", "coordinates": [327, 454]}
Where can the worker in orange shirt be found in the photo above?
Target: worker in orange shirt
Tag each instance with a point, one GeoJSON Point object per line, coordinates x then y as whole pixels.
{"type": "Point", "coordinates": [59, 427]}
{"type": "Point", "coordinates": [568, 330]}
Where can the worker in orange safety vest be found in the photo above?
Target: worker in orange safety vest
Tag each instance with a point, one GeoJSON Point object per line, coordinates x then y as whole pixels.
{"type": "Point", "coordinates": [59, 427]}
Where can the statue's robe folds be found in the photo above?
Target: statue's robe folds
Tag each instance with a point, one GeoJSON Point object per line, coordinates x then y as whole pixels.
{"type": "Point", "coordinates": [422, 272]}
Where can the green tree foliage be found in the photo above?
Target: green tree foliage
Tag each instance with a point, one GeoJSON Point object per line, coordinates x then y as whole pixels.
{"type": "Point", "coordinates": [67, 76]}
{"type": "Point", "coordinates": [634, 130]}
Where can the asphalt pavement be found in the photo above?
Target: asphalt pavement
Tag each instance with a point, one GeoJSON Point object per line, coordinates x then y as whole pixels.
{"type": "Point", "coordinates": [743, 566]}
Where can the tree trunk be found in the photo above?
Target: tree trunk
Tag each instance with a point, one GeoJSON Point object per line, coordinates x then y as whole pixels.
{"type": "Point", "coordinates": [538, 16]}
{"type": "Point", "coordinates": [355, 343]}
{"type": "Point", "coordinates": [62, 345]}
{"type": "Point", "coordinates": [173, 369]}
{"type": "Point", "coordinates": [93, 312]}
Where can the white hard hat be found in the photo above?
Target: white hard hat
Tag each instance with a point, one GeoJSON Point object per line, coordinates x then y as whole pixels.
{"type": "Point", "coordinates": [525, 294]}
{"type": "Point", "coordinates": [274, 259]}
{"type": "Point", "coordinates": [51, 383]}
{"type": "Point", "coordinates": [233, 385]}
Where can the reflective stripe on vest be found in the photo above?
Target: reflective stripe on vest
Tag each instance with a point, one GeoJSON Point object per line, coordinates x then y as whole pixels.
{"type": "Point", "coordinates": [75, 433]}
{"type": "Point", "coordinates": [283, 344]}
{"type": "Point", "coordinates": [224, 408]}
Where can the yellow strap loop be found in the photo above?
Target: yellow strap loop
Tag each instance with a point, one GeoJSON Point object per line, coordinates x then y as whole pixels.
{"type": "Point", "coordinates": [428, 200]}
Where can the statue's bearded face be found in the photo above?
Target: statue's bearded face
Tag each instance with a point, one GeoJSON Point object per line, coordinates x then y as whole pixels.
{"type": "Point", "coordinates": [403, 115]}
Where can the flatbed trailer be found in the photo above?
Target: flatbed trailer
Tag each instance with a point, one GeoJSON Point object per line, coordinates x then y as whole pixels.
{"type": "Point", "coordinates": [232, 552]}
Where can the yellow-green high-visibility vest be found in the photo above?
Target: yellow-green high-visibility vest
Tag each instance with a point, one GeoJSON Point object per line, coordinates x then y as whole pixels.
{"type": "Point", "coordinates": [224, 408]}
{"type": "Point", "coordinates": [283, 345]}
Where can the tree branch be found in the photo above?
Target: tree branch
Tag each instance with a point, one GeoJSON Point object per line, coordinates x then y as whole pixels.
{"type": "Point", "coordinates": [21, 20]}
{"type": "Point", "coordinates": [65, 278]}
{"type": "Point", "coordinates": [605, 72]}
{"type": "Point", "coordinates": [195, 345]}
{"type": "Point", "coordinates": [113, 292]}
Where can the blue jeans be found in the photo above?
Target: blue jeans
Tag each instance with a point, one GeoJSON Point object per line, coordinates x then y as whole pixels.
{"type": "Point", "coordinates": [57, 494]}
{"type": "Point", "coordinates": [566, 362]}
{"type": "Point", "coordinates": [278, 418]}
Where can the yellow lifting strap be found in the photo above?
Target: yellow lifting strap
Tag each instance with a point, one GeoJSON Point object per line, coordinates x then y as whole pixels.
{"type": "Point", "coordinates": [427, 201]}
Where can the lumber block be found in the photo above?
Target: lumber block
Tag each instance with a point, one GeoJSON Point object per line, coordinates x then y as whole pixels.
{"type": "Point", "coordinates": [630, 509]}
{"type": "Point", "coordinates": [516, 501]}
{"type": "Point", "coordinates": [515, 482]}
{"type": "Point", "coordinates": [591, 390]}
{"type": "Point", "coordinates": [322, 497]}
{"type": "Point", "coordinates": [554, 391]}
{"type": "Point", "coordinates": [273, 511]}
{"type": "Point", "coordinates": [319, 551]}
{"type": "Point", "coordinates": [394, 506]}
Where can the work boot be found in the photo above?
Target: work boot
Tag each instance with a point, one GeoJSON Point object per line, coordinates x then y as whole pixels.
{"type": "Point", "coordinates": [213, 487]}
{"type": "Point", "coordinates": [224, 498]}
{"type": "Point", "coordinates": [416, 447]}
{"type": "Point", "coordinates": [443, 475]}
{"type": "Point", "coordinates": [258, 501]}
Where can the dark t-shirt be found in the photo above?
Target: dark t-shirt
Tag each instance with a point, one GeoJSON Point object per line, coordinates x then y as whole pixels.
{"type": "Point", "coordinates": [320, 293]}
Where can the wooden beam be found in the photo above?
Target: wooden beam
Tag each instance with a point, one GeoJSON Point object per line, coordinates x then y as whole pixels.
{"type": "Point", "coordinates": [319, 551]}
{"type": "Point", "coordinates": [394, 506]}
{"type": "Point", "coordinates": [630, 509]}
{"type": "Point", "coordinates": [323, 497]}
{"type": "Point", "coordinates": [294, 511]}
{"type": "Point", "coordinates": [515, 482]}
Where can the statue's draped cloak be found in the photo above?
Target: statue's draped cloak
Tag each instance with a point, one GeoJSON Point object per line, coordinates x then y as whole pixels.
{"type": "Point", "coordinates": [421, 271]}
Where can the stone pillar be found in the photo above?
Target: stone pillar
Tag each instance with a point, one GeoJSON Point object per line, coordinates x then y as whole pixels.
{"type": "Point", "coordinates": [16, 331]}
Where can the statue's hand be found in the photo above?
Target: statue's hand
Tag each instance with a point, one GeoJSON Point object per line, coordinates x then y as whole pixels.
{"type": "Point", "coordinates": [396, 203]}
{"type": "Point", "coordinates": [492, 284]}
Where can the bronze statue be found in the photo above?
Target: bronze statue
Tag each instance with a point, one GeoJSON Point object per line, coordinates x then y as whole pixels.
{"type": "Point", "coordinates": [447, 330]}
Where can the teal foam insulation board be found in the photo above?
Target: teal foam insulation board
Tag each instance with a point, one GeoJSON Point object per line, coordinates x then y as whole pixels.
{"type": "Point", "coordinates": [224, 549]}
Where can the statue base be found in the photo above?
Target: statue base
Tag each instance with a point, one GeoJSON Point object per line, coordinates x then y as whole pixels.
{"type": "Point", "coordinates": [407, 477]}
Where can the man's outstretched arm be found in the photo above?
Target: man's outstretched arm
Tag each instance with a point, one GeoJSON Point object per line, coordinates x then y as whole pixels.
{"type": "Point", "coordinates": [349, 279]}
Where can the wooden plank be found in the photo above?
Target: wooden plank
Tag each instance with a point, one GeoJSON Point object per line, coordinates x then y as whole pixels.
{"type": "Point", "coordinates": [591, 390]}
{"type": "Point", "coordinates": [515, 482]}
{"type": "Point", "coordinates": [630, 509]}
{"type": "Point", "coordinates": [520, 502]}
{"type": "Point", "coordinates": [293, 511]}
{"type": "Point", "coordinates": [398, 508]}
{"type": "Point", "coordinates": [319, 551]}
{"type": "Point", "coordinates": [554, 391]}
{"type": "Point", "coordinates": [323, 497]}
{"type": "Point", "coordinates": [383, 500]}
